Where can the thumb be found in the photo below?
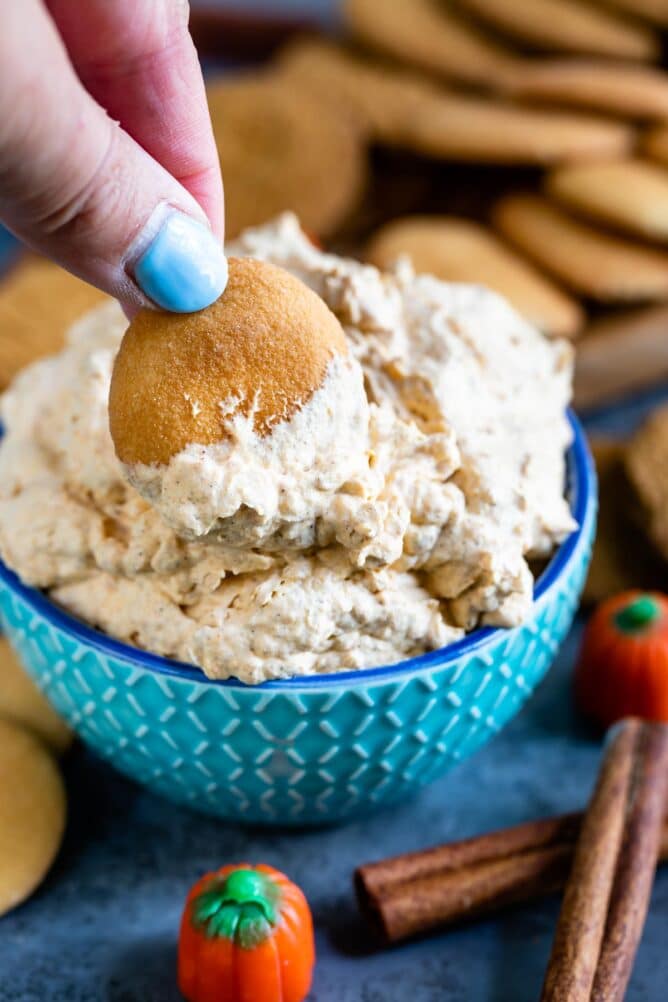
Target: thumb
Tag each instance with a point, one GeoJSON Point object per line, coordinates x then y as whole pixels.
{"type": "Point", "coordinates": [76, 187]}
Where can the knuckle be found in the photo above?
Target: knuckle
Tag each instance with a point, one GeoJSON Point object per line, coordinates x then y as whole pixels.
{"type": "Point", "coordinates": [88, 200]}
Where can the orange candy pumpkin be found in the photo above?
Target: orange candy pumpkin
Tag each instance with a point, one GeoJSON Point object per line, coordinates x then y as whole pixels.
{"type": "Point", "coordinates": [622, 670]}
{"type": "Point", "coordinates": [246, 936]}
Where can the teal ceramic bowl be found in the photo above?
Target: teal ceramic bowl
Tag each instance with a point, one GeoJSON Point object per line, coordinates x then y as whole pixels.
{"type": "Point", "coordinates": [304, 750]}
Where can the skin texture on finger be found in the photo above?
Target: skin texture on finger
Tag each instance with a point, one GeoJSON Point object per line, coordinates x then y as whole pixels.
{"type": "Point", "coordinates": [138, 61]}
{"type": "Point", "coordinates": [73, 184]}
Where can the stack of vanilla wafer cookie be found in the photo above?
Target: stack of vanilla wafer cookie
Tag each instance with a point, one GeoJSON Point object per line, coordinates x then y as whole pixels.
{"type": "Point", "coordinates": [522, 144]}
{"type": "Point", "coordinates": [564, 102]}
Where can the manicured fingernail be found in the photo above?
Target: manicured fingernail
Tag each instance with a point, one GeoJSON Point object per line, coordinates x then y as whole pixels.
{"type": "Point", "coordinates": [184, 267]}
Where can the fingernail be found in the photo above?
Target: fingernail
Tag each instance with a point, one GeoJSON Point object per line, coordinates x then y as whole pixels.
{"type": "Point", "coordinates": [184, 267]}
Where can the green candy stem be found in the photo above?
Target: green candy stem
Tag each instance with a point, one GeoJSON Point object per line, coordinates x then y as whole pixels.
{"type": "Point", "coordinates": [242, 907]}
{"type": "Point", "coordinates": [640, 613]}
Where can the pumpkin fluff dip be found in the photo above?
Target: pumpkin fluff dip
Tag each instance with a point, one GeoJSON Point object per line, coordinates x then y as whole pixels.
{"type": "Point", "coordinates": [330, 468]}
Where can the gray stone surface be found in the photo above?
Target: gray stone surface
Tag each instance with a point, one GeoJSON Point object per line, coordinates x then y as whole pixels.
{"type": "Point", "coordinates": [103, 927]}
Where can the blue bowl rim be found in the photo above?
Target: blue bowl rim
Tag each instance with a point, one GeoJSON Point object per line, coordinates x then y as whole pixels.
{"type": "Point", "coordinates": [582, 489]}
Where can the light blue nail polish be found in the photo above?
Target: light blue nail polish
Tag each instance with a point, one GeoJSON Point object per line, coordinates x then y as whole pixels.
{"type": "Point", "coordinates": [184, 268]}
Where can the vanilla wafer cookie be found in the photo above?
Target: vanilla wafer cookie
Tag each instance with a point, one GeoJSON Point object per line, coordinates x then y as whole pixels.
{"type": "Point", "coordinates": [282, 149]}
{"type": "Point", "coordinates": [377, 100]}
{"type": "Point", "coordinates": [567, 26]}
{"type": "Point", "coordinates": [402, 110]}
{"type": "Point", "coordinates": [655, 144]}
{"type": "Point", "coordinates": [429, 36]}
{"type": "Point", "coordinates": [625, 89]}
{"type": "Point", "coordinates": [38, 303]}
{"type": "Point", "coordinates": [260, 384]}
{"type": "Point", "coordinates": [588, 260]}
{"type": "Point", "coordinates": [631, 195]}
{"type": "Point", "coordinates": [32, 813]}
{"type": "Point", "coordinates": [21, 701]}
{"type": "Point", "coordinates": [459, 127]}
{"type": "Point", "coordinates": [457, 250]}
{"type": "Point", "coordinates": [260, 353]}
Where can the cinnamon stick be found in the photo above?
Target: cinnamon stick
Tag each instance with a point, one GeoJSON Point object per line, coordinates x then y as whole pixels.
{"type": "Point", "coordinates": [635, 869]}
{"type": "Point", "coordinates": [457, 895]}
{"type": "Point", "coordinates": [607, 893]}
{"type": "Point", "coordinates": [416, 892]}
{"type": "Point", "coordinates": [374, 878]}
{"type": "Point", "coordinates": [581, 926]}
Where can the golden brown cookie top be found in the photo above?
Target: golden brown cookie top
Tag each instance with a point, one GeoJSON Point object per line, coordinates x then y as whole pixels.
{"type": "Point", "coordinates": [33, 809]}
{"type": "Point", "coordinates": [263, 348]}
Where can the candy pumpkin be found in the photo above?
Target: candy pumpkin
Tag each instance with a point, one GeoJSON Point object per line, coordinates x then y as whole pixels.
{"type": "Point", "coordinates": [623, 665]}
{"type": "Point", "coordinates": [246, 936]}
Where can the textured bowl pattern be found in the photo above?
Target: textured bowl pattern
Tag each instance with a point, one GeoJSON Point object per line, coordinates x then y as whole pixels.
{"type": "Point", "coordinates": [300, 751]}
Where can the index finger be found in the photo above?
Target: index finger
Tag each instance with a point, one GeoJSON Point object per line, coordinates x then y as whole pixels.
{"type": "Point", "coordinates": [137, 59]}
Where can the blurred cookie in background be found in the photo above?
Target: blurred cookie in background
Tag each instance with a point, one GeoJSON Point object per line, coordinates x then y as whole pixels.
{"type": "Point", "coordinates": [458, 250]}
{"type": "Point", "coordinates": [453, 42]}
{"type": "Point", "coordinates": [281, 148]}
{"type": "Point", "coordinates": [568, 26]}
{"type": "Point", "coordinates": [655, 144]}
{"type": "Point", "coordinates": [32, 813]}
{"type": "Point", "coordinates": [454, 126]}
{"type": "Point", "coordinates": [628, 90]}
{"type": "Point", "coordinates": [590, 261]}
{"type": "Point", "coordinates": [377, 99]}
{"type": "Point", "coordinates": [631, 195]}
{"type": "Point", "coordinates": [429, 36]}
{"type": "Point", "coordinates": [403, 110]}
{"type": "Point", "coordinates": [38, 303]}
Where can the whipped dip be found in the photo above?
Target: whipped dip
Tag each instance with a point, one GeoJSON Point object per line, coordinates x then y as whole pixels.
{"type": "Point", "coordinates": [396, 509]}
{"type": "Point", "coordinates": [269, 490]}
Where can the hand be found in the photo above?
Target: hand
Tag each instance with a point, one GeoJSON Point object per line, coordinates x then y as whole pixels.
{"type": "Point", "coordinates": [107, 159]}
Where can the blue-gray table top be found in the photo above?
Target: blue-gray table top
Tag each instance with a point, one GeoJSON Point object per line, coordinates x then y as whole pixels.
{"type": "Point", "coordinates": [103, 926]}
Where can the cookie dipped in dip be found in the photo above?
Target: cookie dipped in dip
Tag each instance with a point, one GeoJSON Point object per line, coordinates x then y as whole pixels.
{"type": "Point", "coordinates": [242, 420]}
{"type": "Point", "coordinates": [369, 488]}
